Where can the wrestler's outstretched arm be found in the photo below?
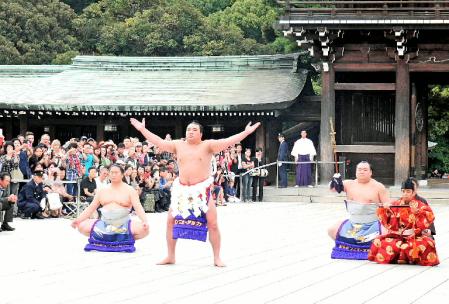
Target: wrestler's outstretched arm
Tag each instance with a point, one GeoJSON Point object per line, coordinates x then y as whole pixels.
{"type": "Point", "coordinates": [87, 212]}
{"type": "Point", "coordinates": [164, 145]}
{"type": "Point", "coordinates": [222, 144]}
{"type": "Point", "coordinates": [139, 209]}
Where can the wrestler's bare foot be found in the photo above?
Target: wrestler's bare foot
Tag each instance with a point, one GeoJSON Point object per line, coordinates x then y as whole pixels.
{"type": "Point", "coordinates": [219, 263]}
{"type": "Point", "coordinates": [167, 261]}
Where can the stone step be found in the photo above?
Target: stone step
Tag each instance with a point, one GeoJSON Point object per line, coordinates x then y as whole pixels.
{"type": "Point", "coordinates": [326, 199]}
{"type": "Point", "coordinates": [321, 194]}
{"type": "Point", "coordinates": [303, 199]}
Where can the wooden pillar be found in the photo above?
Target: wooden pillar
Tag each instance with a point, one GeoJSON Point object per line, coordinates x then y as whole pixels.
{"type": "Point", "coordinates": [8, 129]}
{"type": "Point", "coordinates": [52, 132]}
{"type": "Point", "coordinates": [272, 127]}
{"type": "Point", "coordinates": [100, 129]}
{"type": "Point", "coordinates": [124, 128]}
{"type": "Point", "coordinates": [23, 124]}
{"type": "Point", "coordinates": [421, 133]}
{"type": "Point", "coordinates": [327, 114]}
{"type": "Point", "coordinates": [402, 123]}
{"type": "Point", "coordinates": [260, 137]}
{"type": "Point", "coordinates": [179, 130]}
{"type": "Point", "coordinates": [413, 133]}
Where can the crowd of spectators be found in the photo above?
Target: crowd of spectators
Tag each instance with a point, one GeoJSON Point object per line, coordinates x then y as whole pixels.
{"type": "Point", "coordinates": [61, 167]}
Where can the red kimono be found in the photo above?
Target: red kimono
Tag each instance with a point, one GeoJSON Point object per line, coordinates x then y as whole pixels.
{"type": "Point", "coordinates": [404, 242]}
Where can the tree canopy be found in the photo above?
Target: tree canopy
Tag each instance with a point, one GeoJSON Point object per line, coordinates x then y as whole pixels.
{"type": "Point", "coordinates": [439, 128]}
{"type": "Point", "coordinates": [35, 32]}
{"type": "Point", "coordinates": [52, 31]}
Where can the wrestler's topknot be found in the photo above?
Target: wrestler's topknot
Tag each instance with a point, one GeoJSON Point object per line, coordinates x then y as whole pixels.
{"type": "Point", "coordinates": [198, 124]}
{"type": "Point", "coordinates": [118, 166]}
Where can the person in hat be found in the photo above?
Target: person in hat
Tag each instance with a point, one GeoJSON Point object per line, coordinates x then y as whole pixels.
{"type": "Point", "coordinates": [31, 195]}
{"type": "Point", "coordinates": [282, 156]}
{"type": "Point", "coordinates": [193, 211]}
{"type": "Point", "coordinates": [431, 231]}
{"type": "Point", "coordinates": [303, 151]}
{"type": "Point", "coordinates": [405, 220]}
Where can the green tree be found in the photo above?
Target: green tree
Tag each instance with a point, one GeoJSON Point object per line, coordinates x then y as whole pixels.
{"type": "Point", "coordinates": [34, 32]}
{"type": "Point", "coordinates": [78, 5]}
{"type": "Point", "coordinates": [255, 17]}
{"type": "Point", "coordinates": [439, 127]}
{"type": "Point", "coordinates": [208, 7]}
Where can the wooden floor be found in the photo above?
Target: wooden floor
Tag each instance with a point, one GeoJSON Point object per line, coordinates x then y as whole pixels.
{"type": "Point", "coordinates": [275, 252]}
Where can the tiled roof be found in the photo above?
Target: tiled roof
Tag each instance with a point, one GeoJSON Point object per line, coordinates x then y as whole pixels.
{"type": "Point", "coordinates": [95, 83]}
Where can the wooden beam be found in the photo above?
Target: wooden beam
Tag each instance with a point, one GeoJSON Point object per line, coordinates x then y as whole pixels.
{"type": "Point", "coordinates": [365, 86]}
{"type": "Point", "coordinates": [365, 148]}
{"type": "Point", "coordinates": [296, 129]}
{"type": "Point", "coordinates": [314, 98]}
{"type": "Point", "coordinates": [365, 67]}
{"type": "Point", "coordinates": [402, 123]}
{"type": "Point", "coordinates": [302, 117]}
{"type": "Point", "coordinates": [327, 114]}
{"type": "Point", "coordinates": [429, 67]}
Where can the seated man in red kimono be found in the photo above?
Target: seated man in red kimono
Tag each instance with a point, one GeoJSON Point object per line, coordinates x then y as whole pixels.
{"type": "Point", "coordinates": [405, 242]}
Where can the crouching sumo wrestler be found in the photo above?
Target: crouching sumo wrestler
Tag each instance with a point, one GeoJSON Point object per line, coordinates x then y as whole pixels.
{"type": "Point", "coordinates": [114, 231]}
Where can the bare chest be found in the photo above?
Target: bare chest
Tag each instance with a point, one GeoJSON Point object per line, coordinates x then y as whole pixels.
{"type": "Point", "coordinates": [193, 155]}
{"type": "Point", "coordinates": [363, 194]}
{"type": "Point", "coordinates": [112, 196]}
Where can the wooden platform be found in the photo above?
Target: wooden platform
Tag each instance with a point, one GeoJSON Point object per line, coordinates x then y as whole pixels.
{"type": "Point", "coordinates": [276, 253]}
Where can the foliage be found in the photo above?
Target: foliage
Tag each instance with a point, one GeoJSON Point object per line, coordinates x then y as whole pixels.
{"type": "Point", "coordinates": [180, 28]}
{"type": "Point", "coordinates": [208, 7]}
{"type": "Point", "coordinates": [50, 31]}
{"type": "Point", "coordinates": [34, 32]}
{"type": "Point", "coordinates": [439, 127]}
{"type": "Point", "coordinates": [78, 5]}
{"type": "Point", "coordinates": [254, 17]}
{"type": "Point", "coordinates": [65, 58]}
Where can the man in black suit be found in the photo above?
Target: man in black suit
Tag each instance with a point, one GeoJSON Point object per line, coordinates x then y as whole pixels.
{"type": "Point", "coordinates": [7, 201]}
{"type": "Point", "coordinates": [30, 196]}
{"type": "Point", "coordinates": [258, 180]}
{"type": "Point", "coordinates": [282, 156]}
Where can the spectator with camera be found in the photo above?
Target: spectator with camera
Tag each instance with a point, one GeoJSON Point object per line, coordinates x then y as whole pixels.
{"type": "Point", "coordinates": [10, 163]}
{"type": "Point", "coordinates": [73, 167]}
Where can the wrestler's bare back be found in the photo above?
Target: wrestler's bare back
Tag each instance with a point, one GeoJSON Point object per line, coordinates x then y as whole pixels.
{"type": "Point", "coordinates": [111, 197]}
{"type": "Point", "coordinates": [371, 192]}
{"type": "Point", "coordinates": [194, 161]}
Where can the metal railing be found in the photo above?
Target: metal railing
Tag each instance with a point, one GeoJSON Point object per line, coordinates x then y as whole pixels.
{"type": "Point", "coordinates": [316, 163]}
{"type": "Point", "coordinates": [342, 166]}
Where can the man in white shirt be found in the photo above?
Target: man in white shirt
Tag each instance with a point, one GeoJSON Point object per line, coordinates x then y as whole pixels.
{"type": "Point", "coordinates": [102, 179]}
{"type": "Point", "coordinates": [303, 151]}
